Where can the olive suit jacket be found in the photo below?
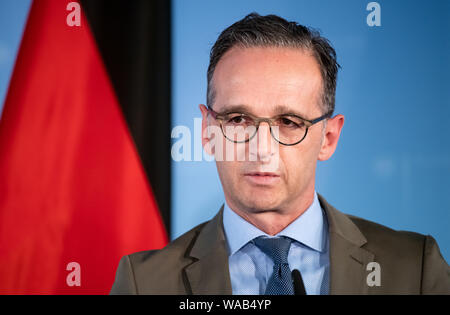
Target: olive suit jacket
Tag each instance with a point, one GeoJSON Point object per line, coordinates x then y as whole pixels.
{"type": "Point", "coordinates": [197, 261]}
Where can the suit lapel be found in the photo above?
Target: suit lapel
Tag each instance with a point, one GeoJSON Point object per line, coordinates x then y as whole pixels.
{"type": "Point", "coordinates": [209, 273]}
{"type": "Point", "coordinates": [348, 260]}
{"type": "Point", "coordinates": [348, 264]}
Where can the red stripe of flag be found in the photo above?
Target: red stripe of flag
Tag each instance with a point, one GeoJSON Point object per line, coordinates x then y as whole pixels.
{"type": "Point", "coordinates": [72, 186]}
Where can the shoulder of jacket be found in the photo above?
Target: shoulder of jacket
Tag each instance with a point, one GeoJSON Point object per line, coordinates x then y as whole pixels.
{"type": "Point", "coordinates": [176, 251]}
{"type": "Point", "coordinates": [381, 238]}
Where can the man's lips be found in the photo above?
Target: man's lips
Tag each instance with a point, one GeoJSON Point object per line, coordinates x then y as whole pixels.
{"type": "Point", "coordinates": [262, 178]}
{"type": "Point", "coordinates": [262, 174]}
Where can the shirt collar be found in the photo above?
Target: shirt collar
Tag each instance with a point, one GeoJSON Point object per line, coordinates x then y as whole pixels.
{"type": "Point", "coordinates": [309, 228]}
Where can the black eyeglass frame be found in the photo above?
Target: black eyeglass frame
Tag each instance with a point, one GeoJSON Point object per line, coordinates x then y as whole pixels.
{"type": "Point", "coordinates": [259, 120]}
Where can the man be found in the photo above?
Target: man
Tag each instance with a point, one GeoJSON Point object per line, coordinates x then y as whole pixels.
{"type": "Point", "coordinates": [271, 93]}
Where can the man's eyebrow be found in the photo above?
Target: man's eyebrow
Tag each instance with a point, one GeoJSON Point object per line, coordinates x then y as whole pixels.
{"type": "Point", "coordinates": [278, 110]}
{"type": "Point", "coordinates": [236, 108]}
{"type": "Point", "coordinates": [284, 109]}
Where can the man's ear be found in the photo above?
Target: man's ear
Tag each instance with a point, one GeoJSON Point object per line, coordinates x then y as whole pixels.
{"type": "Point", "coordinates": [331, 137]}
{"type": "Point", "coordinates": [206, 140]}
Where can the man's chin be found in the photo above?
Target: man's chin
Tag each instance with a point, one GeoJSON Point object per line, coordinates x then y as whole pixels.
{"type": "Point", "coordinates": [257, 199]}
{"type": "Point", "coordinates": [261, 203]}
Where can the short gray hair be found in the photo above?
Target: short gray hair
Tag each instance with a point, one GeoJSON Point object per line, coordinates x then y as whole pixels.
{"type": "Point", "coordinates": [273, 31]}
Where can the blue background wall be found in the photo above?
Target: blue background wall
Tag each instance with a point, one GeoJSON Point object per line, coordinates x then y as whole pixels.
{"type": "Point", "coordinates": [13, 15]}
{"type": "Point", "coordinates": [392, 165]}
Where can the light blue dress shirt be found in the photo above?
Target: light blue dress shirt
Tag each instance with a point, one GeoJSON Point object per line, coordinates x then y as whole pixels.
{"type": "Point", "coordinates": [250, 268]}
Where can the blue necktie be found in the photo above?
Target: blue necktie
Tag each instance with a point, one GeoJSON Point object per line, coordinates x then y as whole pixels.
{"type": "Point", "coordinates": [280, 282]}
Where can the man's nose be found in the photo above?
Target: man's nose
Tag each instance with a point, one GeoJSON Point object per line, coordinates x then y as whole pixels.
{"type": "Point", "coordinates": [266, 145]}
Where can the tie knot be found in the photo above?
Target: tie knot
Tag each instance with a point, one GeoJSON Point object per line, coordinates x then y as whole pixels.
{"type": "Point", "coordinates": [276, 248]}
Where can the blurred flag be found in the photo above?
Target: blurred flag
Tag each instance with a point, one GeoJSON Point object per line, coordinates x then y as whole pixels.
{"type": "Point", "coordinates": [73, 187]}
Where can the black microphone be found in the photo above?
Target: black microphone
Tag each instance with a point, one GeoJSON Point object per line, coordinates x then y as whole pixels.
{"type": "Point", "coordinates": [299, 287]}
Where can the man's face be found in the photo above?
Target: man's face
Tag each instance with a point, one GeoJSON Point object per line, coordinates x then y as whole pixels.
{"type": "Point", "coordinates": [269, 82]}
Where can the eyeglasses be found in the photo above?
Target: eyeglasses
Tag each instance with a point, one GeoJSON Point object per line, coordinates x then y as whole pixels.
{"type": "Point", "coordinates": [242, 127]}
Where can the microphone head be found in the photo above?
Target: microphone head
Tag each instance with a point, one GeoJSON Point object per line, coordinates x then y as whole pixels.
{"type": "Point", "coordinates": [299, 287]}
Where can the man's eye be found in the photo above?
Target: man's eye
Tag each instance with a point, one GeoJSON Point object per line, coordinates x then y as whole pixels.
{"type": "Point", "coordinates": [241, 119]}
{"type": "Point", "coordinates": [288, 122]}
